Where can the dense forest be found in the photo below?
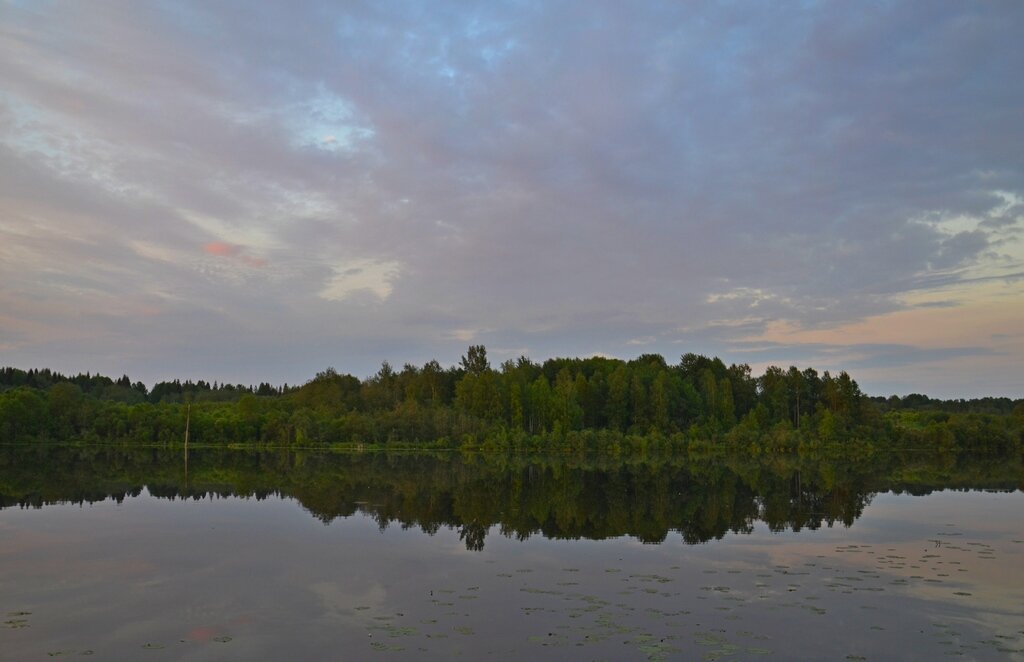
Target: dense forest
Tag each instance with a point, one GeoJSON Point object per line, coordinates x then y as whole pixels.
{"type": "Point", "coordinates": [562, 403]}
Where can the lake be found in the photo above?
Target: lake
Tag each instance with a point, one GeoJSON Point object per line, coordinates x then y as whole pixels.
{"type": "Point", "coordinates": [134, 554]}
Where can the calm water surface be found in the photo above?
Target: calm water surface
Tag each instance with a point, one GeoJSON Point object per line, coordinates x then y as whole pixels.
{"type": "Point", "coordinates": [119, 555]}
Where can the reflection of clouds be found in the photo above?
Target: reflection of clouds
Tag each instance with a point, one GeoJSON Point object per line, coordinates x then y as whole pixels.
{"type": "Point", "coordinates": [81, 572]}
{"type": "Point", "coordinates": [341, 600]}
{"type": "Point", "coordinates": [925, 550]}
{"type": "Point", "coordinates": [265, 574]}
{"type": "Point", "coordinates": [29, 540]}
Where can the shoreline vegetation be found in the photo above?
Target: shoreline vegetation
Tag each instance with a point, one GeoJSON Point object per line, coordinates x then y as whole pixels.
{"type": "Point", "coordinates": [565, 404]}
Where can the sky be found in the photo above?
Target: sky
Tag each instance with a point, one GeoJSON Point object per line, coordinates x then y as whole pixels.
{"type": "Point", "coordinates": [250, 192]}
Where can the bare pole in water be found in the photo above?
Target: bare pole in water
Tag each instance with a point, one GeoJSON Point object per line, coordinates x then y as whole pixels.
{"type": "Point", "coordinates": [188, 418]}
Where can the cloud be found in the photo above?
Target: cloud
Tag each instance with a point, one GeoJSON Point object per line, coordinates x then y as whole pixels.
{"type": "Point", "coordinates": [467, 335]}
{"type": "Point", "coordinates": [221, 249]}
{"type": "Point", "coordinates": [361, 276]}
{"type": "Point", "coordinates": [559, 177]}
{"type": "Point", "coordinates": [325, 121]}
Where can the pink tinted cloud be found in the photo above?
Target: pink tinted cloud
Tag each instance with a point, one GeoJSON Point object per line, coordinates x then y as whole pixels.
{"type": "Point", "coordinates": [224, 249]}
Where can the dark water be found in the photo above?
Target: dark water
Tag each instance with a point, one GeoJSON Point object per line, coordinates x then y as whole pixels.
{"type": "Point", "coordinates": [120, 554]}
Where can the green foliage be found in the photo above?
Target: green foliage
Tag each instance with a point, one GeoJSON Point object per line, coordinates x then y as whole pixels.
{"type": "Point", "coordinates": [565, 404]}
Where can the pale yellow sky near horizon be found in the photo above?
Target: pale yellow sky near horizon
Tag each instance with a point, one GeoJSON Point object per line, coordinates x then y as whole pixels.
{"type": "Point", "coordinates": [988, 314]}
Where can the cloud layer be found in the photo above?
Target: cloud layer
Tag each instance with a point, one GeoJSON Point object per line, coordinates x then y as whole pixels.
{"type": "Point", "coordinates": [243, 192]}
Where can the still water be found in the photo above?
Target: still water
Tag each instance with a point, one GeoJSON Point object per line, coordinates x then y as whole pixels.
{"type": "Point", "coordinates": [119, 554]}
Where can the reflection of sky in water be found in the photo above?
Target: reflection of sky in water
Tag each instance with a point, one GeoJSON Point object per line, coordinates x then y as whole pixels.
{"type": "Point", "coordinates": [247, 579]}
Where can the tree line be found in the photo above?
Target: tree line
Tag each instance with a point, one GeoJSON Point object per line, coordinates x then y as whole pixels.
{"type": "Point", "coordinates": [562, 402]}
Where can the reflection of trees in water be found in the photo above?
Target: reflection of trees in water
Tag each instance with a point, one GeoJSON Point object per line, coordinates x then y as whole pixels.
{"type": "Point", "coordinates": [565, 497]}
{"type": "Point", "coordinates": [473, 534]}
